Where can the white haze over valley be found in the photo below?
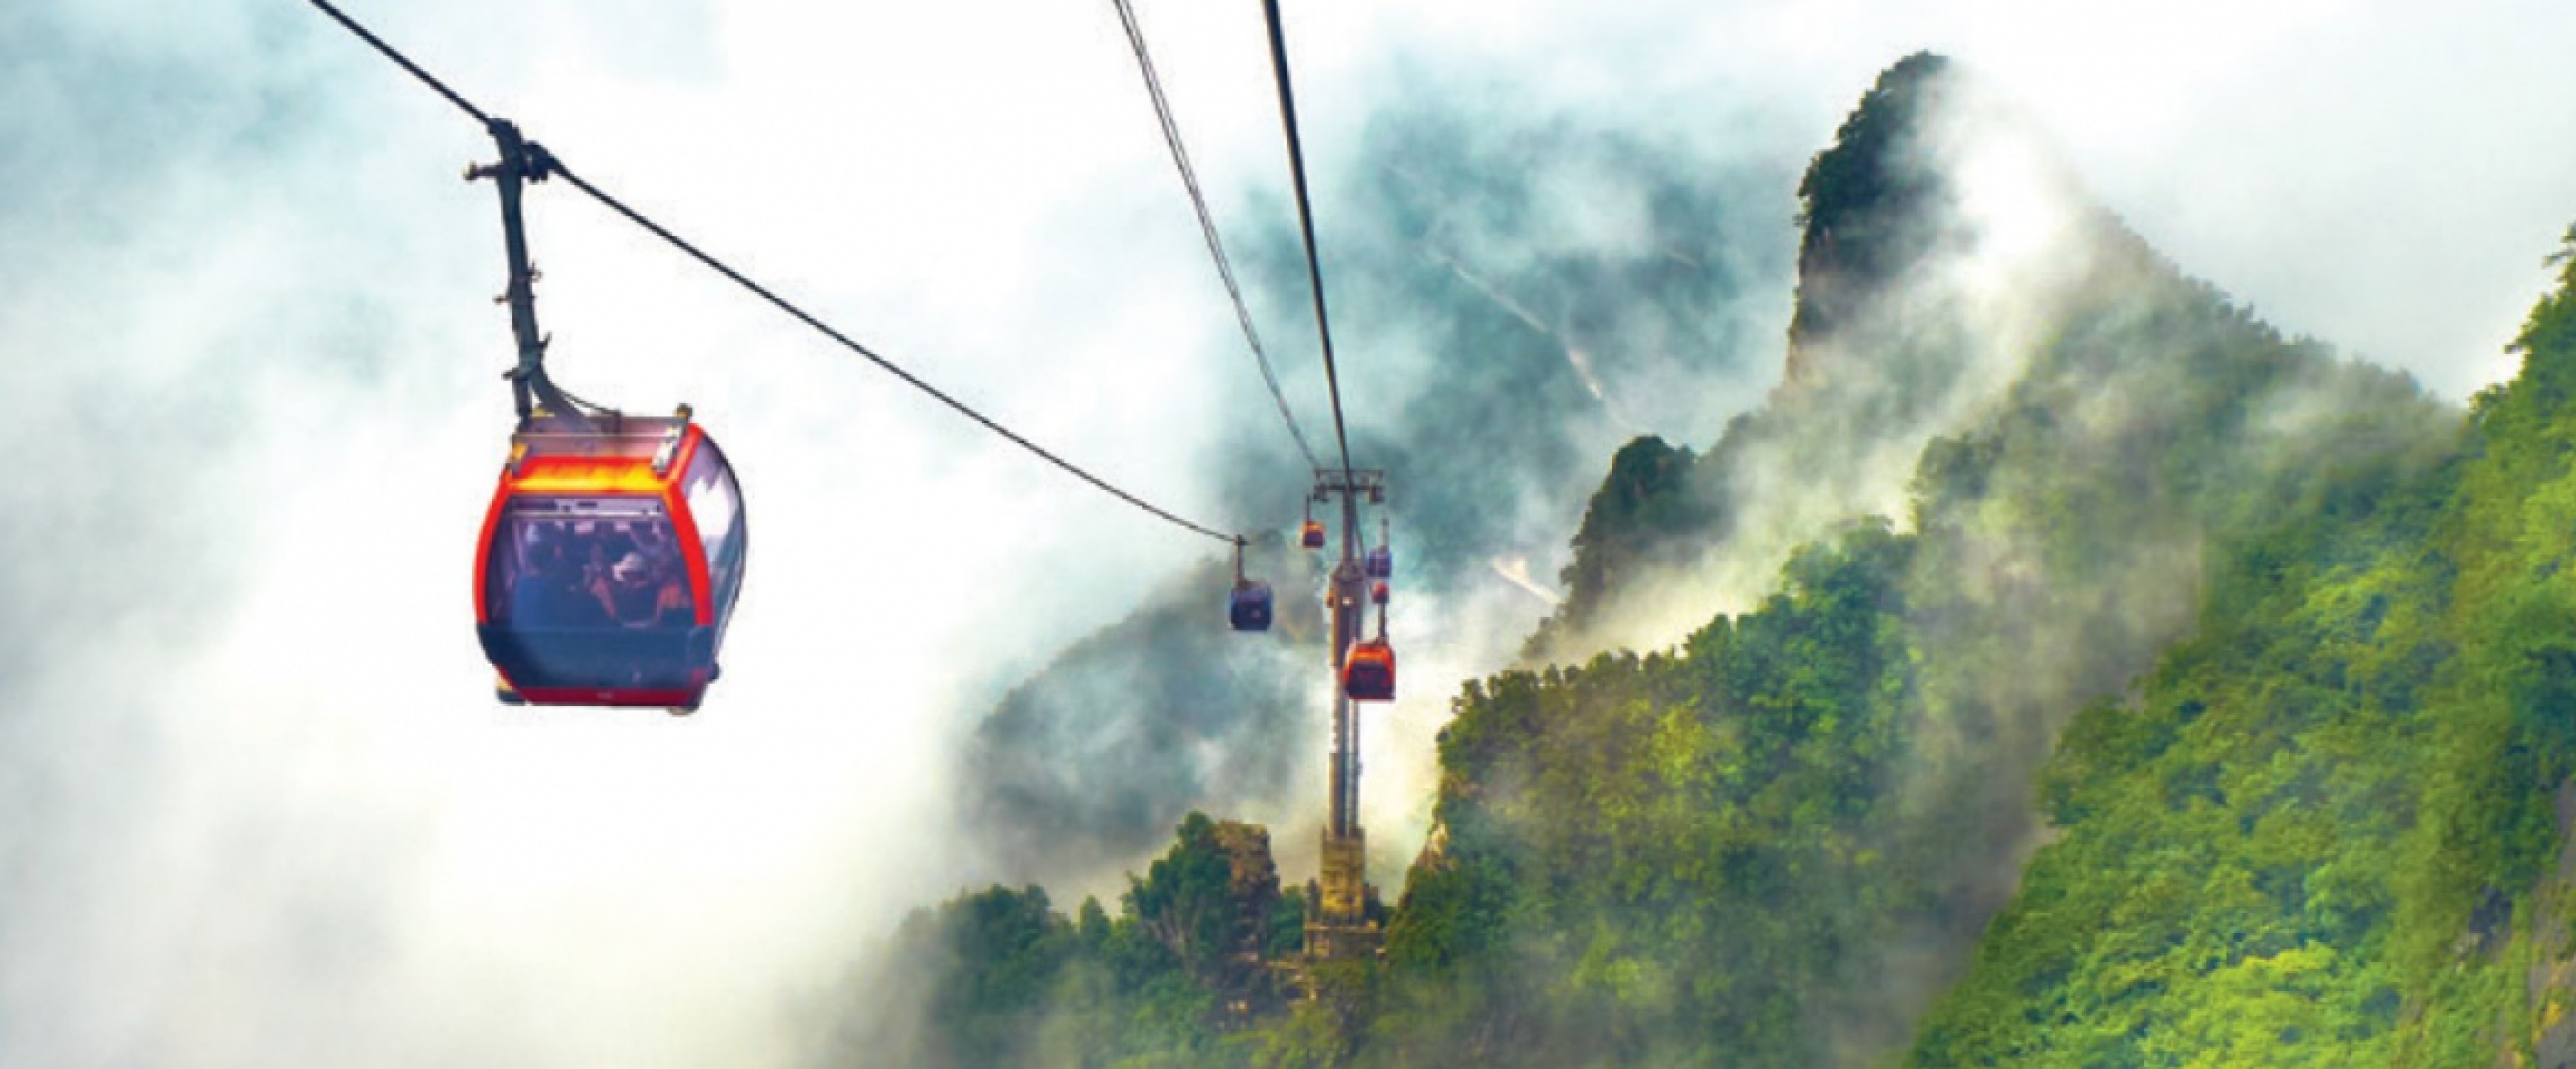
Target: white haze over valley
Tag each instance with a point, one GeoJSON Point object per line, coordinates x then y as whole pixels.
{"type": "Point", "coordinates": [257, 807]}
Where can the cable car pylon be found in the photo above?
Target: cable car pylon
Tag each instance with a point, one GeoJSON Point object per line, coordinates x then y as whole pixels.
{"type": "Point", "coordinates": [1338, 924]}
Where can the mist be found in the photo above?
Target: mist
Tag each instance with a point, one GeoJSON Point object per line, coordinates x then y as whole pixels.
{"type": "Point", "coordinates": [259, 805]}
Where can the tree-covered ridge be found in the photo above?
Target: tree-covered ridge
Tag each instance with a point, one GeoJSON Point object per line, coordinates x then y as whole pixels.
{"type": "Point", "coordinates": [1645, 505]}
{"type": "Point", "coordinates": [1623, 841]}
{"type": "Point", "coordinates": [1909, 323]}
{"type": "Point", "coordinates": [1924, 345]}
{"type": "Point", "coordinates": [1000, 978]}
{"type": "Point", "coordinates": [2322, 833]}
{"type": "Point", "coordinates": [1863, 200]}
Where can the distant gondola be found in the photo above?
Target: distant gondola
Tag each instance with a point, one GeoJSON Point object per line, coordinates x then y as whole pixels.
{"type": "Point", "coordinates": [1249, 608]}
{"type": "Point", "coordinates": [1369, 673]}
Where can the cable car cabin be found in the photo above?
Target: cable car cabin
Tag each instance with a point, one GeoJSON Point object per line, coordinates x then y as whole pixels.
{"type": "Point", "coordinates": [1378, 592]}
{"type": "Point", "coordinates": [1312, 535]}
{"type": "Point", "coordinates": [1250, 606]}
{"type": "Point", "coordinates": [1381, 563]}
{"type": "Point", "coordinates": [610, 563]}
{"type": "Point", "coordinates": [1368, 675]}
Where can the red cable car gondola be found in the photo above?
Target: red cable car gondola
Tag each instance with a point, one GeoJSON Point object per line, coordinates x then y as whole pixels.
{"type": "Point", "coordinates": [1368, 675]}
{"type": "Point", "coordinates": [611, 559]}
{"type": "Point", "coordinates": [612, 552]}
{"type": "Point", "coordinates": [1312, 535]}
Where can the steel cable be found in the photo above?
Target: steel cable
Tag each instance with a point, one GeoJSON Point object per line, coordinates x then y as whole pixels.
{"type": "Point", "coordinates": [1306, 223]}
{"type": "Point", "coordinates": [1207, 226]}
{"type": "Point", "coordinates": [782, 304]}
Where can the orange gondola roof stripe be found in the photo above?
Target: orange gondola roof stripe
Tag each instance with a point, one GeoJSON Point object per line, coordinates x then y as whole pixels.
{"type": "Point", "coordinates": [587, 475]}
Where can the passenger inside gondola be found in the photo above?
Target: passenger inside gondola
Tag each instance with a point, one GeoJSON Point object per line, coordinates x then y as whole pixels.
{"type": "Point", "coordinates": [591, 574]}
{"type": "Point", "coordinates": [648, 591]}
{"type": "Point", "coordinates": [550, 585]}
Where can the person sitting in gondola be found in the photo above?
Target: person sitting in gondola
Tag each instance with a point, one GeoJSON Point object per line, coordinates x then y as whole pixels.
{"type": "Point", "coordinates": [558, 590]}
{"type": "Point", "coordinates": [645, 587]}
{"type": "Point", "coordinates": [635, 592]}
{"type": "Point", "coordinates": [535, 585]}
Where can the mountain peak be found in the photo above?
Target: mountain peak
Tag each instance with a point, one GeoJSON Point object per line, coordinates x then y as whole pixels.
{"type": "Point", "coordinates": [1864, 197]}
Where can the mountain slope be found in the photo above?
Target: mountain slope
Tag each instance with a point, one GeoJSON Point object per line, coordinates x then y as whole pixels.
{"type": "Point", "coordinates": [1773, 847]}
{"type": "Point", "coordinates": [2323, 833]}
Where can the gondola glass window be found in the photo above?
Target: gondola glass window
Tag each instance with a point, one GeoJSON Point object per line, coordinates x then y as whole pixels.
{"type": "Point", "coordinates": [716, 504]}
{"type": "Point", "coordinates": [591, 563]}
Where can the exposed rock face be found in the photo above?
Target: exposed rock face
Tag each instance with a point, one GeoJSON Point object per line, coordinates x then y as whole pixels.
{"type": "Point", "coordinates": [1253, 887]}
{"type": "Point", "coordinates": [2552, 981]}
{"type": "Point", "coordinates": [1245, 979]}
{"type": "Point", "coordinates": [1867, 199]}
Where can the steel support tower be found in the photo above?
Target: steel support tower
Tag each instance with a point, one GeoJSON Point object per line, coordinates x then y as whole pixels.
{"type": "Point", "coordinates": [1338, 927]}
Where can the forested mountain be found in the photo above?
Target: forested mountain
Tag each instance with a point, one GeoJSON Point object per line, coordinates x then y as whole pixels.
{"type": "Point", "coordinates": [2332, 827]}
{"type": "Point", "coordinates": [2062, 668]}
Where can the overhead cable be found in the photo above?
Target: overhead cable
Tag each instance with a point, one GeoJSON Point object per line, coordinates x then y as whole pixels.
{"type": "Point", "coordinates": [781, 303]}
{"type": "Point", "coordinates": [1306, 223]}
{"type": "Point", "coordinates": [1207, 226]}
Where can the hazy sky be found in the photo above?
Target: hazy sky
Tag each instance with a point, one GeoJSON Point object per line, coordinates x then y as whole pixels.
{"type": "Point", "coordinates": [256, 807]}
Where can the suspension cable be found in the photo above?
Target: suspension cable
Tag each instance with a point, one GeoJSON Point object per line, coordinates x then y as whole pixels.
{"type": "Point", "coordinates": [1305, 223]}
{"type": "Point", "coordinates": [404, 62]}
{"type": "Point", "coordinates": [1207, 225]}
{"type": "Point", "coordinates": [782, 304]}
